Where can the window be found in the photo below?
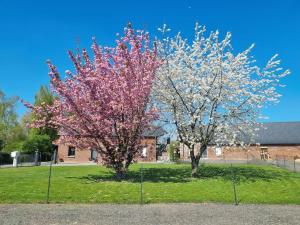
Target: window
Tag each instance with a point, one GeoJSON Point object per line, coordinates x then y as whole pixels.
{"type": "Point", "coordinates": [218, 151]}
{"type": "Point", "coordinates": [71, 152]}
{"type": "Point", "coordinates": [264, 154]}
{"type": "Point", "coordinates": [144, 152]}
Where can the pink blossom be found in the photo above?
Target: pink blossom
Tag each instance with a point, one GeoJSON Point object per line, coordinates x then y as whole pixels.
{"type": "Point", "coordinates": [104, 104]}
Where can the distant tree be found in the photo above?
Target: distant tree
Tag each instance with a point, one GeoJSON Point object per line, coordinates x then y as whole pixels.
{"type": "Point", "coordinates": [210, 93]}
{"type": "Point", "coordinates": [44, 98]}
{"type": "Point", "coordinates": [40, 139]}
{"type": "Point", "coordinates": [11, 133]}
{"type": "Point", "coordinates": [15, 139]}
{"type": "Point", "coordinates": [15, 136]}
{"type": "Point", "coordinates": [104, 105]}
{"type": "Point", "coordinates": [37, 142]}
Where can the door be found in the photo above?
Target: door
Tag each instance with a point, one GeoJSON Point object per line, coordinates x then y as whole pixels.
{"type": "Point", "coordinates": [94, 155]}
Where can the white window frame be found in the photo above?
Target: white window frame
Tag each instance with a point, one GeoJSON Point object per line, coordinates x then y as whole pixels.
{"type": "Point", "coordinates": [144, 151]}
{"type": "Point", "coordinates": [218, 151]}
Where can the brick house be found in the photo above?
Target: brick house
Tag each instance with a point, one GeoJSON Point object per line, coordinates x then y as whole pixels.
{"type": "Point", "coordinates": [276, 139]}
{"type": "Point", "coordinates": [71, 154]}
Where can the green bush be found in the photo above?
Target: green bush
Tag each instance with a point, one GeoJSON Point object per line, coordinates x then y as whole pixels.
{"type": "Point", "coordinates": [40, 142]}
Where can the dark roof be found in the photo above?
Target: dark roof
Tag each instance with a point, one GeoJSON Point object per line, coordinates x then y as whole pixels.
{"type": "Point", "coordinates": [154, 131]}
{"type": "Point", "coordinates": [279, 133]}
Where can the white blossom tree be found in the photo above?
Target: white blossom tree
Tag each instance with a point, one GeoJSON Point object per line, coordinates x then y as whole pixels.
{"type": "Point", "coordinates": [211, 94]}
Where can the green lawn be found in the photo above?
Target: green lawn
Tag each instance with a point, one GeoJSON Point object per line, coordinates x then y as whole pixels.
{"type": "Point", "coordinates": [162, 183]}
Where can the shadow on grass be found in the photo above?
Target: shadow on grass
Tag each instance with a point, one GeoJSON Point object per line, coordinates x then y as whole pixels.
{"type": "Point", "coordinates": [183, 174]}
{"type": "Point", "coordinates": [240, 173]}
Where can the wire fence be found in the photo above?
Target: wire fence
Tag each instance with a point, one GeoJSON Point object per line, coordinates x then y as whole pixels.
{"type": "Point", "coordinates": [151, 183]}
{"type": "Point", "coordinates": [289, 162]}
{"type": "Point", "coordinates": [21, 159]}
{"type": "Point", "coordinates": [235, 172]}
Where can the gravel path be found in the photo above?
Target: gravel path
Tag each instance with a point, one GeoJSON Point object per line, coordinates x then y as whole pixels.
{"type": "Point", "coordinates": [175, 214]}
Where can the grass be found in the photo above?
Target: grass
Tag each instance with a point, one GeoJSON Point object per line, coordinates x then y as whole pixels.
{"type": "Point", "coordinates": [162, 183]}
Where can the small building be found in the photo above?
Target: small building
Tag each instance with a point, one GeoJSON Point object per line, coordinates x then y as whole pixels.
{"type": "Point", "coordinates": [71, 154]}
{"type": "Point", "coordinates": [276, 139]}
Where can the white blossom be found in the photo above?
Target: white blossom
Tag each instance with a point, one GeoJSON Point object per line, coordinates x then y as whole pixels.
{"type": "Point", "coordinates": [212, 94]}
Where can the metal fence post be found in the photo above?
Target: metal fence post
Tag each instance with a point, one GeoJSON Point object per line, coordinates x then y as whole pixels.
{"type": "Point", "coordinates": [36, 158]}
{"type": "Point", "coordinates": [233, 184]}
{"type": "Point", "coordinates": [49, 181]}
{"type": "Point", "coordinates": [141, 190]}
{"type": "Point", "coordinates": [283, 161]}
{"type": "Point", "coordinates": [294, 164]}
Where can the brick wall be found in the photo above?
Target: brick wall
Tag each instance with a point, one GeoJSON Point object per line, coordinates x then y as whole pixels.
{"type": "Point", "coordinates": [84, 155]}
{"type": "Point", "coordinates": [252, 152]}
{"type": "Point", "coordinates": [81, 155]}
{"type": "Point", "coordinates": [150, 144]}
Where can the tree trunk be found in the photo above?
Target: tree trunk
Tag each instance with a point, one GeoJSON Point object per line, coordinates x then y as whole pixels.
{"type": "Point", "coordinates": [194, 162]}
{"type": "Point", "coordinates": [195, 166]}
{"type": "Point", "coordinates": [121, 172]}
{"type": "Point", "coordinates": [128, 161]}
{"type": "Point", "coordinates": [121, 167]}
{"type": "Point", "coordinates": [196, 158]}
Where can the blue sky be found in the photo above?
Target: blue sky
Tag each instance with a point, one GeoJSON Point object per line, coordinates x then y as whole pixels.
{"type": "Point", "coordinates": [33, 31]}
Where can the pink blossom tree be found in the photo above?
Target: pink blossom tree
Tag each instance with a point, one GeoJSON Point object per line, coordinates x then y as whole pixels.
{"type": "Point", "coordinates": [104, 105]}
